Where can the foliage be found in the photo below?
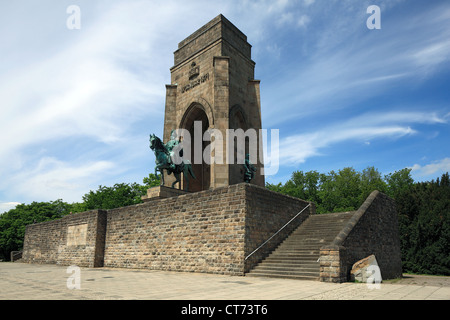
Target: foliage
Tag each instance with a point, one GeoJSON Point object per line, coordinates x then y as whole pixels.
{"type": "Point", "coordinates": [424, 221]}
{"type": "Point", "coordinates": [119, 195]}
{"type": "Point", "coordinates": [344, 190]}
{"type": "Point", "coordinates": [13, 222]}
{"type": "Point", "coordinates": [151, 181]}
{"type": "Point", "coordinates": [398, 182]}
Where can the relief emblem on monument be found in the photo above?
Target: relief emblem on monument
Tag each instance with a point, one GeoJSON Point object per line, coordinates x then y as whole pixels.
{"type": "Point", "coordinates": [194, 72]}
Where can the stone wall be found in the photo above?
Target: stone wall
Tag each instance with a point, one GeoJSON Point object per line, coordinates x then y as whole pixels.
{"type": "Point", "coordinates": [202, 232]}
{"type": "Point", "coordinates": [373, 229]}
{"type": "Point", "coordinates": [74, 239]}
{"type": "Point", "coordinates": [209, 231]}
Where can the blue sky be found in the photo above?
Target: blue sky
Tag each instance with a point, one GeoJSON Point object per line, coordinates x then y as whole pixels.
{"type": "Point", "coordinates": [77, 106]}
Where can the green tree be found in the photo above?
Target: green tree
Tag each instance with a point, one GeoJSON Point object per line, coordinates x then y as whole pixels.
{"type": "Point", "coordinates": [14, 221]}
{"type": "Point", "coordinates": [303, 185]}
{"type": "Point", "coordinates": [151, 181]}
{"type": "Point", "coordinates": [329, 198]}
{"type": "Point", "coordinates": [308, 184]}
{"type": "Point", "coordinates": [119, 195]}
{"type": "Point", "coordinates": [398, 182]}
{"type": "Point", "coordinates": [340, 191]}
{"type": "Point", "coordinates": [371, 179]}
{"type": "Point", "coordinates": [424, 223]}
{"type": "Point", "coordinates": [279, 187]}
{"type": "Point", "coordinates": [333, 192]}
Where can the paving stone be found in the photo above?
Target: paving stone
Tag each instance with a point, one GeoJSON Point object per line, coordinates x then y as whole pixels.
{"type": "Point", "coordinates": [18, 283]}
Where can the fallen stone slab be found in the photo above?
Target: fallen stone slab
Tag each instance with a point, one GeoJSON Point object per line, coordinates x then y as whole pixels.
{"type": "Point", "coordinates": [366, 270]}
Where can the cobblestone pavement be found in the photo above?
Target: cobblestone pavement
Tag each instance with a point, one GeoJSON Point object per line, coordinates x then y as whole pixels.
{"type": "Point", "coordinates": [21, 281]}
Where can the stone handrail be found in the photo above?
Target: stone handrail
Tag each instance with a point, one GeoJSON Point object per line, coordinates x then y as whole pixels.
{"type": "Point", "coordinates": [340, 238]}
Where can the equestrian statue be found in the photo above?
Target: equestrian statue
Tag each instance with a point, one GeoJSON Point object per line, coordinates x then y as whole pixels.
{"type": "Point", "coordinates": [165, 154]}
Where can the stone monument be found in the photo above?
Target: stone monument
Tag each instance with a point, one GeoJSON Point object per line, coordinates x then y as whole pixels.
{"type": "Point", "coordinates": [223, 220]}
{"type": "Point", "coordinates": [213, 87]}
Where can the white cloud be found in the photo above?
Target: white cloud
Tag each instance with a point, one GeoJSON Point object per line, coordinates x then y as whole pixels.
{"type": "Point", "coordinates": [296, 149]}
{"type": "Point", "coordinates": [434, 54]}
{"type": "Point", "coordinates": [77, 104]}
{"type": "Point", "coordinates": [342, 62]}
{"type": "Point", "coordinates": [372, 118]}
{"type": "Point", "coordinates": [286, 18]}
{"type": "Point", "coordinates": [274, 51]}
{"type": "Point", "coordinates": [84, 89]}
{"type": "Point", "coordinates": [53, 179]}
{"type": "Point", "coordinates": [293, 19]}
{"type": "Point", "coordinates": [440, 166]}
{"type": "Point", "coordinates": [93, 87]}
{"type": "Point", "coordinates": [303, 20]}
{"type": "Point", "coordinates": [6, 206]}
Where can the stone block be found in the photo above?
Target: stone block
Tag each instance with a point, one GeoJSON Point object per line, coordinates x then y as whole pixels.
{"type": "Point", "coordinates": [366, 270]}
{"type": "Point", "coordinates": [162, 192]}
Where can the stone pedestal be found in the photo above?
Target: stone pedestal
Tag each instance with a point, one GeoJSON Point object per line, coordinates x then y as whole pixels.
{"type": "Point", "coordinates": [161, 192]}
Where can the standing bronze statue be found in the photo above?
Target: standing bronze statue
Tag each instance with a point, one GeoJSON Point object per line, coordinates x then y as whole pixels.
{"type": "Point", "coordinates": [249, 169]}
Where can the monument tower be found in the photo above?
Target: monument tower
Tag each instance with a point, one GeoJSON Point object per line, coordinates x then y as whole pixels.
{"type": "Point", "coordinates": [213, 87]}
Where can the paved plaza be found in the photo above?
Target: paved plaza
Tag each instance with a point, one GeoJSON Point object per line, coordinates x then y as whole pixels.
{"type": "Point", "coordinates": [21, 281]}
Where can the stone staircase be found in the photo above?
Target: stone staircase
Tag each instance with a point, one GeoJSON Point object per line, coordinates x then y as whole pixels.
{"type": "Point", "coordinates": [297, 256]}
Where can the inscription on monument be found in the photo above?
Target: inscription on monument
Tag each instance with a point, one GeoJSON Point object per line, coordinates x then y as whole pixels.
{"type": "Point", "coordinates": [195, 83]}
{"type": "Point", "coordinates": [77, 235]}
{"type": "Point", "coordinates": [194, 79]}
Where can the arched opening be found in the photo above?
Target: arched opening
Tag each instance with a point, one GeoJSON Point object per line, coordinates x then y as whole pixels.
{"type": "Point", "coordinates": [196, 118]}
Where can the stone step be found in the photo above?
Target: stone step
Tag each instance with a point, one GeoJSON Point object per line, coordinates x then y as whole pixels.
{"type": "Point", "coordinates": [292, 262]}
{"type": "Point", "coordinates": [297, 256]}
{"type": "Point", "coordinates": [320, 227]}
{"type": "Point", "coordinates": [287, 267]}
{"type": "Point", "coordinates": [315, 231]}
{"type": "Point", "coordinates": [291, 256]}
{"type": "Point", "coordinates": [298, 276]}
{"type": "Point", "coordinates": [286, 272]}
{"type": "Point", "coordinates": [308, 241]}
{"type": "Point", "coordinates": [302, 247]}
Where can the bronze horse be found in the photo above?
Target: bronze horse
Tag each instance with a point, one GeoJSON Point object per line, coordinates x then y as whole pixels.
{"type": "Point", "coordinates": [164, 162]}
